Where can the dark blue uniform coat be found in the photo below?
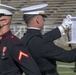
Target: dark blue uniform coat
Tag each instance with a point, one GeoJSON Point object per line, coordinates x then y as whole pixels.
{"type": "Point", "coordinates": [44, 51]}
{"type": "Point", "coordinates": [15, 58]}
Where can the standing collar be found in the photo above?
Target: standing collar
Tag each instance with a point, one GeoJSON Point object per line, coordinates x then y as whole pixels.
{"type": "Point", "coordinates": [34, 32]}
{"type": "Point", "coordinates": [33, 28]}
{"type": "Point", "coordinates": [5, 35]}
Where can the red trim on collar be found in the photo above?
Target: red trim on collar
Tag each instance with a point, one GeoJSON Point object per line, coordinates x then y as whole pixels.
{"type": "Point", "coordinates": [6, 37]}
{"type": "Point", "coordinates": [5, 33]}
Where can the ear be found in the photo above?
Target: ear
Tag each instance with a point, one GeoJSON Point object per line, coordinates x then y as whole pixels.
{"type": "Point", "coordinates": [37, 19]}
{"type": "Point", "coordinates": [5, 21]}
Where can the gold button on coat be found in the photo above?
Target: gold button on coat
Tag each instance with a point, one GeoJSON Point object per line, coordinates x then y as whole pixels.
{"type": "Point", "coordinates": [0, 37]}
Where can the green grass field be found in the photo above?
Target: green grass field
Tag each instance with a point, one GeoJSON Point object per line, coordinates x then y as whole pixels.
{"type": "Point", "coordinates": [66, 68]}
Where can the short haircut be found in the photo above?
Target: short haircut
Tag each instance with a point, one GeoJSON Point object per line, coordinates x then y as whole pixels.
{"type": "Point", "coordinates": [28, 17]}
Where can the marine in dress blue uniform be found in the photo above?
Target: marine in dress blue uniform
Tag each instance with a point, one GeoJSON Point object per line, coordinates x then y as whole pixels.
{"type": "Point", "coordinates": [14, 56]}
{"type": "Point", "coordinates": [42, 47]}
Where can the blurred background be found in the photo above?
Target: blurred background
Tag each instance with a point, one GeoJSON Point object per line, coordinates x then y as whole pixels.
{"type": "Point", "coordinates": [56, 12]}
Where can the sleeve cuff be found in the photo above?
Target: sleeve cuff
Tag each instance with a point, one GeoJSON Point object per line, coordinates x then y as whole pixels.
{"type": "Point", "coordinates": [62, 31]}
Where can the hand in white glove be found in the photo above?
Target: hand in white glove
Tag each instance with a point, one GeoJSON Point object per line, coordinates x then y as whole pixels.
{"type": "Point", "coordinates": [66, 24]}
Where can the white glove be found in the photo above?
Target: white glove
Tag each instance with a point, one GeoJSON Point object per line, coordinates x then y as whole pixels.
{"type": "Point", "coordinates": [66, 24]}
